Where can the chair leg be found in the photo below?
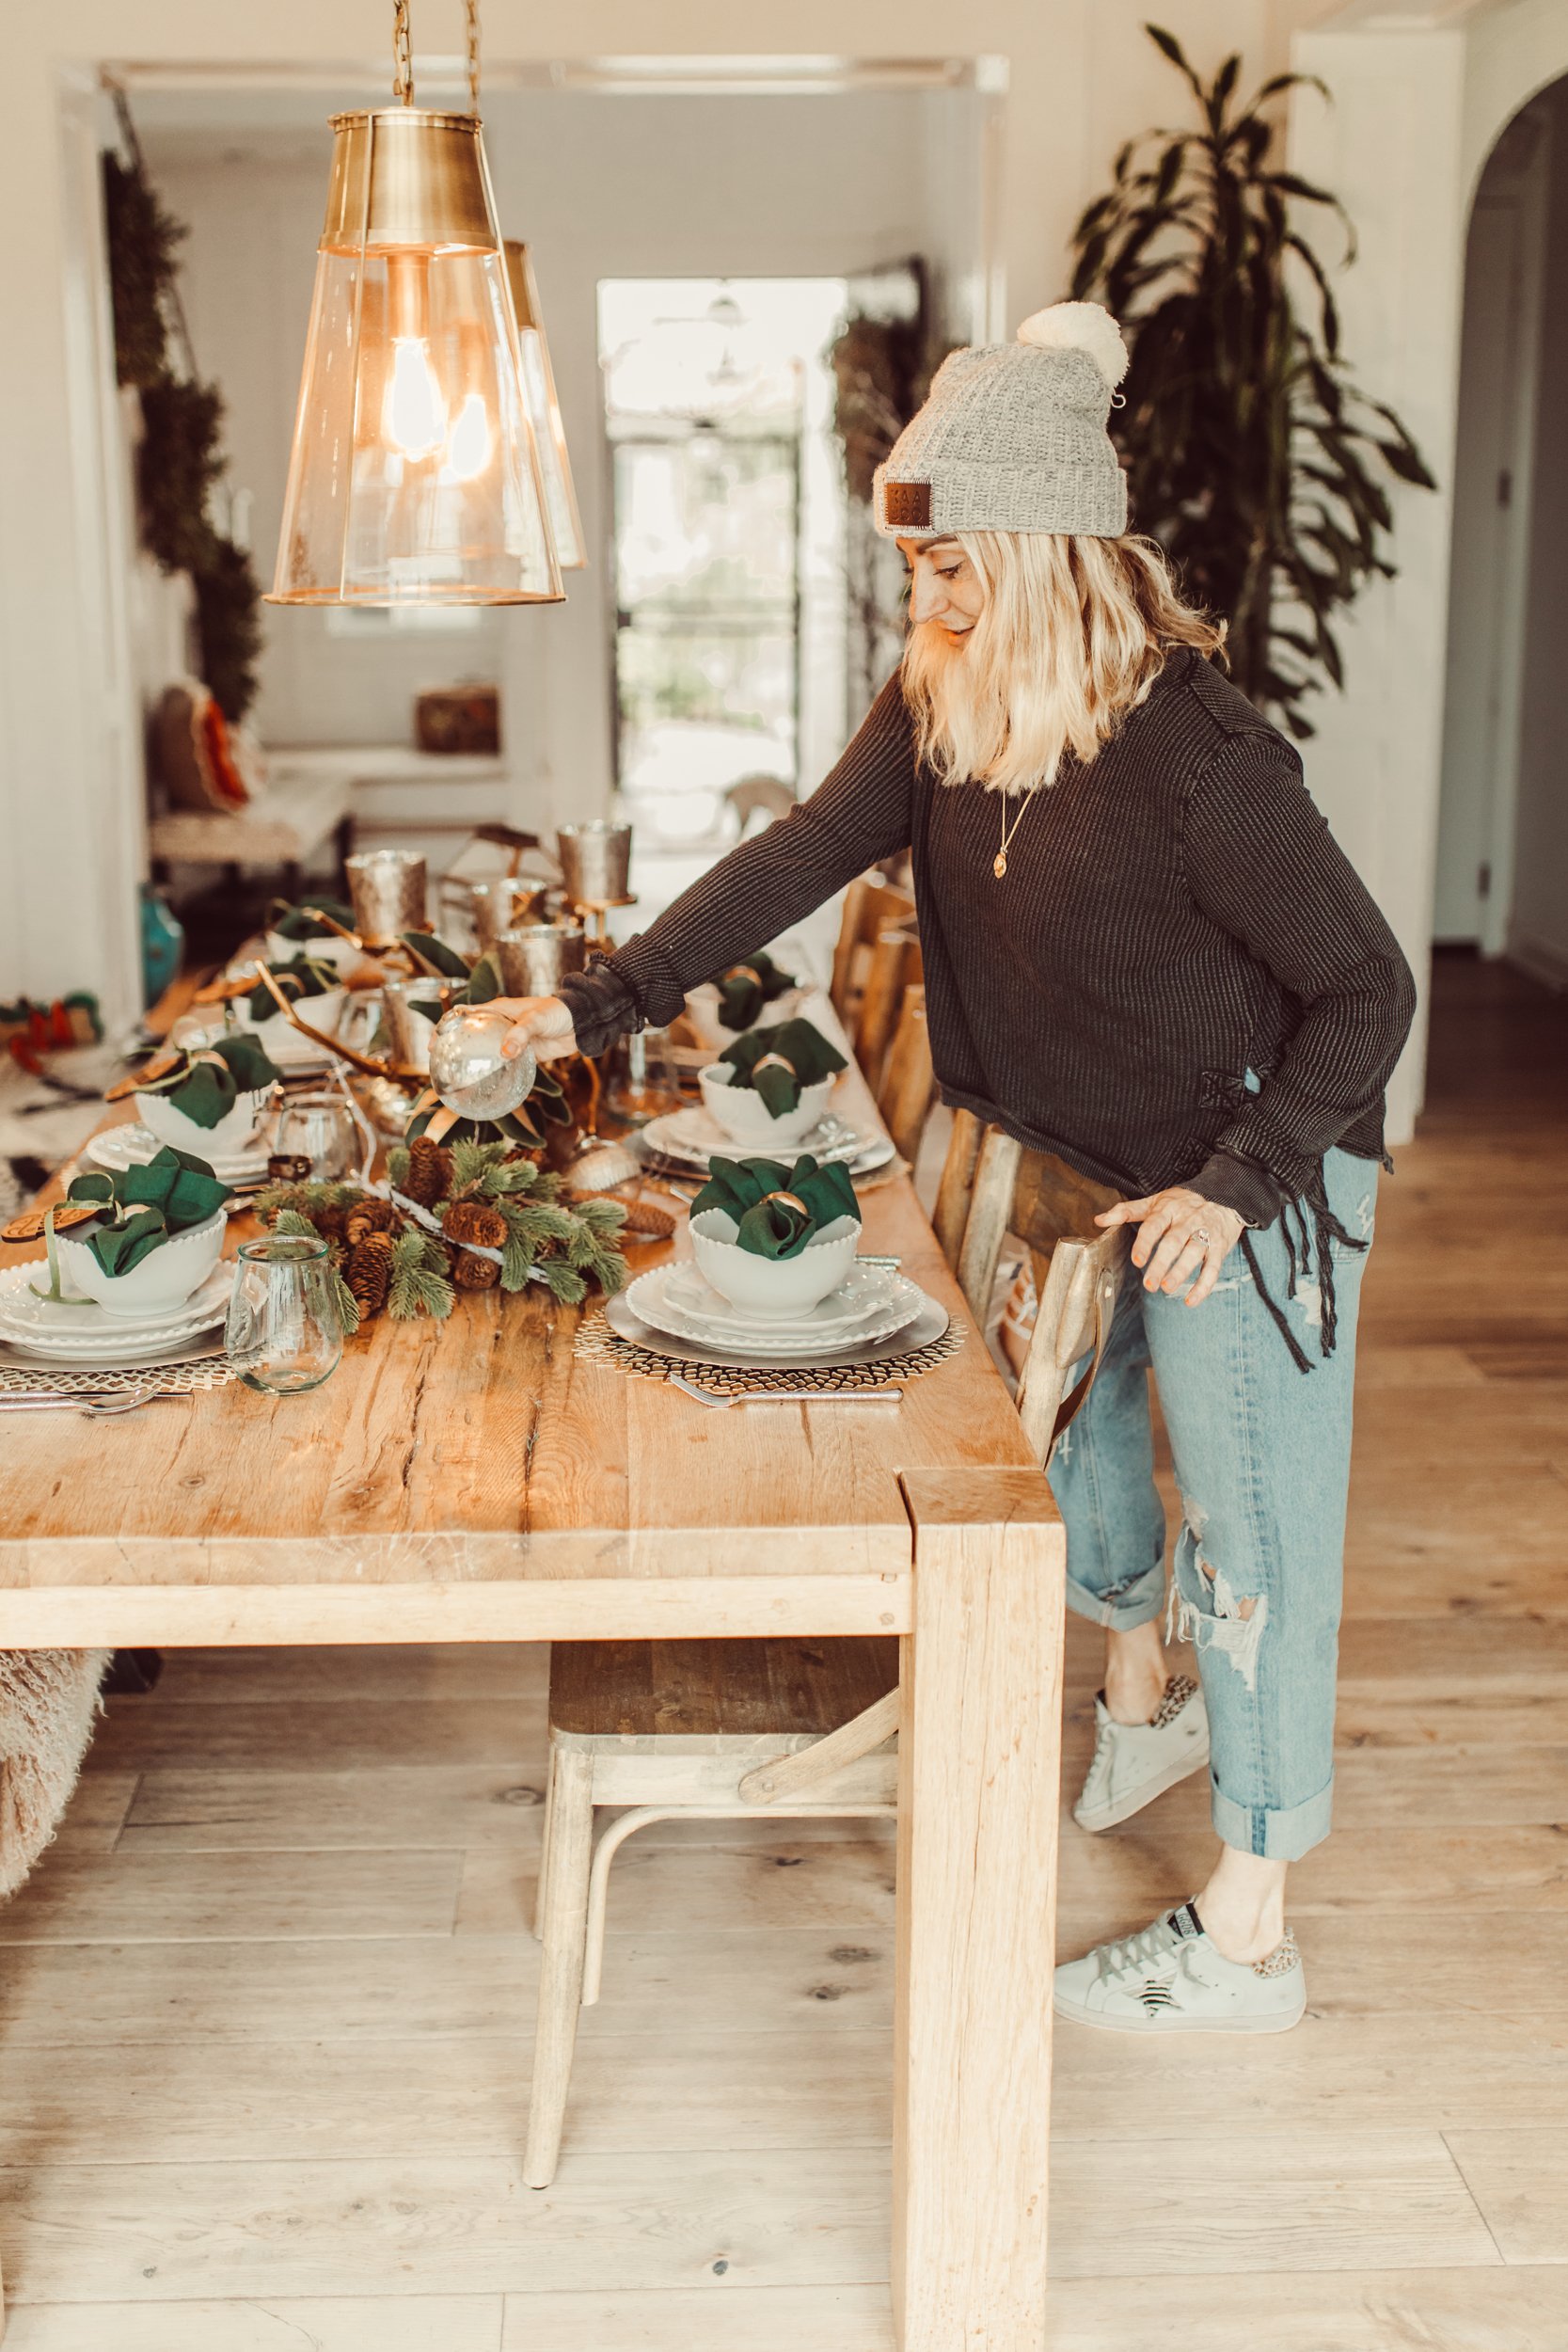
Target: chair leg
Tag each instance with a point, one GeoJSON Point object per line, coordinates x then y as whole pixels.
{"type": "Point", "coordinates": [545, 1835]}
{"type": "Point", "coordinates": [561, 1962]}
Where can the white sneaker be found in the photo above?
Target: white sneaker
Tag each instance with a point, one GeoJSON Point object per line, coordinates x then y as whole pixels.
{"type": "Point", "coordinates": [1169, 1978]}
{"type": "Point", "coordinates": [1135, 1763]}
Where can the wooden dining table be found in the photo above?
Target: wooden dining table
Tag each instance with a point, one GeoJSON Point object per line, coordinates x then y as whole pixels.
{"type": "Point", "coordinates": [478, 1480]}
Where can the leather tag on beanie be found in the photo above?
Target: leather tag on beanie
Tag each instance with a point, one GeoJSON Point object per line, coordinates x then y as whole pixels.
{"type": "Point", "coordinates": [908, 505]}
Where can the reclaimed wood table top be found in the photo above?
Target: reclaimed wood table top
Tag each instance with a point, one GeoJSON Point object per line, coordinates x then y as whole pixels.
{"type": "Point", "coordinates": [446, 1471]}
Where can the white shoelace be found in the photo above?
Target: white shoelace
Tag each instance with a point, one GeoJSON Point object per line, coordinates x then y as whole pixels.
{"type": "Point", "coordinates": [1134, 1955]}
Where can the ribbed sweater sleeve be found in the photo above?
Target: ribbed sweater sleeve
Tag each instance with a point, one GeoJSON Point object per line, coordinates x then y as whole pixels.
{"type": "Point", "coordinates": [1260, 862]}
{"type": "Point", "coordinates": [860, 813]}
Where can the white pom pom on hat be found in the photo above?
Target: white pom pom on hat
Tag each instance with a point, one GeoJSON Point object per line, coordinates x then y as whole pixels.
{"type": "Point", "coordinates": [1086, 326]}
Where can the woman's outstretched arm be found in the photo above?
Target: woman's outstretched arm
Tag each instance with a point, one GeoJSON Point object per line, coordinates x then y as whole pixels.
{"type": "Point", "coordinates": [860, 814]}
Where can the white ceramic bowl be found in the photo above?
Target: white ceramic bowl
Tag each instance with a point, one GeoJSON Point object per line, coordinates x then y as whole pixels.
{"type": "Point", "coordinates": [341, 954]}
{"type": "Point", "coordinates": [233, 1131]}
{"type": "Point", "coordinates": [165, 1278]}
{"type": "Point", "coordinates": [278, 1034]}
{"type": "Point", "coordinates": [702, 1008]}
{"type": "Point", "coordinates": [746, 1118]}
{"type": "Point", "coordinates": [772, 1289]}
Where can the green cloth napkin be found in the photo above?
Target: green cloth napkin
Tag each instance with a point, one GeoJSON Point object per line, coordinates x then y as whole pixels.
{"type": "Point", "coordinates": [304, 921]}
{"type": "Point", "coordinates": [775, 1228]}
{"type": "Point", "coordinates": [299, 978]}
{"type": "Point", "coordinates": [171, 1193]}
{"type": "Point", "coordinates": [747, 987]}
{"type": "Point", "coordinates": [810, 1057]}
{"type": "Point", "coordinates": [208, 1083]}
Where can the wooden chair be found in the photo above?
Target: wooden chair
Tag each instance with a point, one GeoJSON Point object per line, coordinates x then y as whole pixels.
{"type": "Point", "coordinates": [909, 1085]}
{"type": "Point", "coordinates": [689, 1730]}
{"type": "Point", "coordinates": [869, 903]}
{"type": "Point", "coordinates": [894, 964]}
{"type": "Point", "coordinates": [716, 1730]}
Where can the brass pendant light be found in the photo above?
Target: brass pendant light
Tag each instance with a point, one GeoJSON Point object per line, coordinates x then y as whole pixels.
{"type": "Point", "coordinates": [549, 434]}
{"type": "Point", "coordinates": [414, 477]}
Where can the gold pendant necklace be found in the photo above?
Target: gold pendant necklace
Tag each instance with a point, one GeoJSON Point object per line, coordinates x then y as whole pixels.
{"type": "Point", "coordinates": [998, 863]}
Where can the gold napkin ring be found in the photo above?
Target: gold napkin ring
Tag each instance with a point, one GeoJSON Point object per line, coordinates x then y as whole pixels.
{"type": "Point", "coordinates": [774, 1061]}
{"type": "Point", "coordinates": [790, 1199]}
{"type": "Point", "coordinates": [744, 972]}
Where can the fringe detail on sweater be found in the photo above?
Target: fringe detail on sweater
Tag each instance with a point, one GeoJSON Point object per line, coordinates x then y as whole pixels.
{"type": "Point", "coordinates": [1301, 1241]}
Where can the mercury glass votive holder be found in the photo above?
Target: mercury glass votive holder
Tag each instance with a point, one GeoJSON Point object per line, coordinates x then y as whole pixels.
{"type": "Point", "coordinates": [535, 956]}
{"type": "Point", "coordinates": [595, 862]}
{"type": "Point", "coordinates": [390, 894]}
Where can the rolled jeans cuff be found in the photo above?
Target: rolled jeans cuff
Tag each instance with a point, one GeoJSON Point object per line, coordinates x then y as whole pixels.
{"type": "Point", "coordinates": [1134, 1603]}
{"type": "Point", "coordinates": [1272, 1835]}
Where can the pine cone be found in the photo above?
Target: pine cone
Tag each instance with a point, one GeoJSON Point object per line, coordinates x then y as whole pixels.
{"type": "Point", "coordinates": [469, 1272]}
{"type": "Point", "coordinates": [368, 1272]}
{"type": "Point", "coordinates": [369, 1216]}
{"type": "Point", "coordinates": [475, 1221]}
{"type": "Point", "coordinates": [328, 1222]}
{"type": "Point", "coordinates": [429, 1177]}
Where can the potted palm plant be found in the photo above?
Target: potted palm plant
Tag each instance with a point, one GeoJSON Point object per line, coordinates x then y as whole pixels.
{"type": "Point", "coordinates": [1252, 455]}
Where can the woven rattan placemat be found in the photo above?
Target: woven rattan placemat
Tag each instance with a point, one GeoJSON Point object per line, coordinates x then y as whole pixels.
{"type": "Point", "coordinates": [599, 1344]}
{"type": "Point", "coordinates": [63, 1379]}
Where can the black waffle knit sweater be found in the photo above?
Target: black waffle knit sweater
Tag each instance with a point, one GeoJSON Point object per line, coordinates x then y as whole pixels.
{"type": "Point", "coordinates": [1174, 914]}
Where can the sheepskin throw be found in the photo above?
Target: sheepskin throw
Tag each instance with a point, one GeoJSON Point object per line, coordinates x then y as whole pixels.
{"type": "Point", "coordinates": [48, 1703]}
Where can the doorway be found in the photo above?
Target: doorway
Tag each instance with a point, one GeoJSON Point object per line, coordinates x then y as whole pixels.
{"type": "Point", "coordinates": [1501, 882]}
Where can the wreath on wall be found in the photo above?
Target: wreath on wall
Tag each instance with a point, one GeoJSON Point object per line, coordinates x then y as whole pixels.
{"type": "Point", "coordinates": [180, 459]}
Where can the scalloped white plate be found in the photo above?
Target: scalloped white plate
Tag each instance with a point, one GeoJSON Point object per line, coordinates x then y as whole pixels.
{"type": "Point", "coordinates": [857, 1313]}
{"type": "Point", "coordinates": [79, 1326]}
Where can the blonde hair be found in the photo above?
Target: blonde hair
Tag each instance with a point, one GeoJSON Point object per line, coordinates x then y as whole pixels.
{"type": "Point", "coordinates": [1073, 632]}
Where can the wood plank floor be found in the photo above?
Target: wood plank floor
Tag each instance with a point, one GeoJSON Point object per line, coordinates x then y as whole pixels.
{"type": "Point", "coordinates": [266, 2010]}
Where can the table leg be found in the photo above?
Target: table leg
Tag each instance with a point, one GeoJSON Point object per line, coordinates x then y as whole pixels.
{"type": "Point", "coordinates": [979, 1774]}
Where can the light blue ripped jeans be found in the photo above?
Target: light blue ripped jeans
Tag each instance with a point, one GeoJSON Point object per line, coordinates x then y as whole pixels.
{"type": "Point", "coordinates": [1262, 1463]}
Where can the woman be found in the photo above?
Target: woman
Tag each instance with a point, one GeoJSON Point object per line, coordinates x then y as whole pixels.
{"type": "Point", "coordinates": [1144, 957]}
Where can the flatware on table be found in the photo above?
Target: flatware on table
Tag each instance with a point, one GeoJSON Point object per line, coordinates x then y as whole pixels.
{"type": "Point", "coordinates": [95, 1404]}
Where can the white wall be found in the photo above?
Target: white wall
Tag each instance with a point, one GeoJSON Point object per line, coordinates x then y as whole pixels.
{"type": "Point", "coordinates": [1081, 75]}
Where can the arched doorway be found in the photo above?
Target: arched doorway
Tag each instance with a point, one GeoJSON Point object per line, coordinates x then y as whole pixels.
{"type": "Point", "coordinates": [1501, 880]}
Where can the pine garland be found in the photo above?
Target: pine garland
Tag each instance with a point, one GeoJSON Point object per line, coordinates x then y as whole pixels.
{"type": "Point", "coordinates": [566, 1246]}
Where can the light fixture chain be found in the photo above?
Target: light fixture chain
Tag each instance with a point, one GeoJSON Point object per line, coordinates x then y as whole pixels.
{"type": "Point", "coordinates": [403, 55]}
{"type": "Point", "coordinates": [472, 6]}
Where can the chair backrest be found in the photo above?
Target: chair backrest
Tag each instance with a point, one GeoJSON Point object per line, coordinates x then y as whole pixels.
{"type": "Point", "coordinates": [750, 793]}
{"type": "Point", "coordinates": [894, 964]}
{"type": "Point", "coordinates": [909, 1082]}
{"type": "Point", "coordinates": [869, 903]}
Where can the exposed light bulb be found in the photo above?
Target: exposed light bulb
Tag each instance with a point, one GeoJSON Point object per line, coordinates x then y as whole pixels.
{"type": "Point", "coordinates": [416, 415]}
{"type": "Point", "coordinates": [468, 450]}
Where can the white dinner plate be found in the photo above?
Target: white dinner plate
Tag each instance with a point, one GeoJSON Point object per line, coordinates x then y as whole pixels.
{"type": "Point", "coordinates": [690, 1138]}
{"type": "Point", "coordinates": [116, 1149]}
{"type": "Point", "coordinates": [79, 1326]}
{"type": "Point", "coordinates": [696, 1310]}
{"type": "Point", "coordinates": [928, 1325]}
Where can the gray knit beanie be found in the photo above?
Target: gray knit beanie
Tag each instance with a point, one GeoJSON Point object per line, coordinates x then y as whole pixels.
{"type": "Point", "coordinates": [1012, 437]}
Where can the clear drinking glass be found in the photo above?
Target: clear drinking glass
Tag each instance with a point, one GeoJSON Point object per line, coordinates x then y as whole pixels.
{"type": "Point", "coordinates": [644, 1082]}
{"type": "Point", "coordinates": [316, 1136]}
{"type": "Point", "coordinates": [284, 1333]}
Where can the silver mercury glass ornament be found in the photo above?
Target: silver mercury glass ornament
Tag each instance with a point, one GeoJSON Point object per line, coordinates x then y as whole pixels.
{"type": "Point", "coordinates": [469, 1071]}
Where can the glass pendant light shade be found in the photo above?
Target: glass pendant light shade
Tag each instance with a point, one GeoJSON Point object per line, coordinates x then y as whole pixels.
{"type": "Point", "coordinates": [414, 477]}
{"type": "Point", "coordinates": [549, 434]}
